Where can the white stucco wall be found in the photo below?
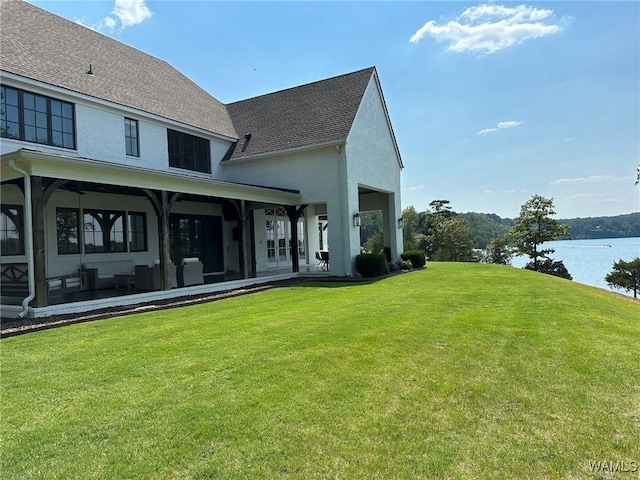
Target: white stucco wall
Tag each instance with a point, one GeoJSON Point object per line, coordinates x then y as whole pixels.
{"type": "Point", "coordinates": [312, 172]}
{"type": "Point", "coordinates": [319, 175]}
{"type": "Point", "coordinates": [373, 162]}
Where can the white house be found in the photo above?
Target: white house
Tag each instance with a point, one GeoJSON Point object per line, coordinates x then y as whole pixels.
{"type": "Point", "coordinates": [112, 162]}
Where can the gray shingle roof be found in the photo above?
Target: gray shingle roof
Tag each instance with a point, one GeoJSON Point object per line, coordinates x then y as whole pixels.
{"type": "Point", "coordinates": [39, 45]}
{"type": "Point", "coordinates": [314, 114]}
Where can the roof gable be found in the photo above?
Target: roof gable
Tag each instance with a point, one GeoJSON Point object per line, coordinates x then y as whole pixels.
{"type": "Point", "coordinates": [377, 88]}
{"type": "Point", "coordinates": [121, 74]}
{"type": "Point", "coordinates": [314, 114]}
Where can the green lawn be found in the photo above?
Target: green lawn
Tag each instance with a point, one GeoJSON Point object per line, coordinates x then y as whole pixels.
{"type": "Point", "coordinates": [457, 371]}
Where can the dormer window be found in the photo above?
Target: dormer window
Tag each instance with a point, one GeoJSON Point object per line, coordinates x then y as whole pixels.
{"type": "Point", "coordinates": [36, 118]}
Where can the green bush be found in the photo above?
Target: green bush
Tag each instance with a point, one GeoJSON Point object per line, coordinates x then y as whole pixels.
{"type": "Point", "coordinates": [416, 257]}
{"type": "Point", "coordinates": [405, 265]}
{"type": "Point", "coordinates": [371, 264]}
{"type": "Point", "coordinates": [550, 267]}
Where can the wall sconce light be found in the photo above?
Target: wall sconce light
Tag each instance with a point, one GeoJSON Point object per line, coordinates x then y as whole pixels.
{"type": "Point", "coordinates": [401, 223]}
{"type": "Point", "coordinates": [356, 219]}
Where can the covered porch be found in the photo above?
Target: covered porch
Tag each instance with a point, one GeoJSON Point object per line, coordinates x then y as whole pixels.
{"type": "Point", "coordinates": [72, 215]}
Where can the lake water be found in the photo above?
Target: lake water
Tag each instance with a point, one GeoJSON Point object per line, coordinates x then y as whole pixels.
{"type": "Point", "coordinates": [588, 261]}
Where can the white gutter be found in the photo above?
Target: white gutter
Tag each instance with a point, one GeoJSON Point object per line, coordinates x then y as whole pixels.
{"type": "Point", "coordinates": [29, 235]}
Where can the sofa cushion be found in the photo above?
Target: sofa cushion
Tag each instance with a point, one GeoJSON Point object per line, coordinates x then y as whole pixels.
{"type": "Point", "coordinates": [127, 267]}
{"type": "Point", "coordinates": [109, 268]}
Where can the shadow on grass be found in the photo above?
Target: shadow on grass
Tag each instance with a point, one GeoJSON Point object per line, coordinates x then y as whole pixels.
{"type": "Point", "coordinates": [340, 282]}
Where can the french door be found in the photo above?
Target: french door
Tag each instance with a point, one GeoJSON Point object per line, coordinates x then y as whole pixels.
{"type": "Point", "coordinates": [278, 230]}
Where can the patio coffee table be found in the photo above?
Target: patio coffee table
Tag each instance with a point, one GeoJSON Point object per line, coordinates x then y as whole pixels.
{"type": "Point", "coordinates": [125, 280]}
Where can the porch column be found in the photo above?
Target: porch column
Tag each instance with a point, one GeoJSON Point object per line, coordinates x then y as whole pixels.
{"type": "Point", "coordinates": [294, 214]}
{"type": "Point", "coordinates": [240, 207]}
{"type": "Point", "coordinates": [39, 259]}
{"type": "Point", "coordinates": [162, 205]}
{"type": "Point", "coordinates": [163, 240]}
{"type": "Point", "coordinates": [252, 244]}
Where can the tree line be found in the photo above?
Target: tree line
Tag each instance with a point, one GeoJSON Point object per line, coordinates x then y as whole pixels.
{"type": "Point", "coordinates": [483, 227]}
{"type": "Point", "coordinates": [445, 235]}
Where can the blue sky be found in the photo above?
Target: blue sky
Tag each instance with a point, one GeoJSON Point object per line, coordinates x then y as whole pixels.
{"type": "Point", "coordinates": [491, 102]}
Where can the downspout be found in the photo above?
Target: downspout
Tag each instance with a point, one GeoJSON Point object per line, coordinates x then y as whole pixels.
{"type": "Point", "coordinates": [29, 234]}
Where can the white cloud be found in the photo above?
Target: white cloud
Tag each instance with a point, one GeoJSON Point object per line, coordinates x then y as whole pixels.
{"type": "Point", "coordinates": [125, 13]}
{"type": "Point", "coordinates": [500, 126]}
{"type": "Point", "coordinates": [489, 28]}
{"type": "Point", "coordinates": [420, 187]}
{"type": "Point", "coordinates": [504, 192]}
{"type": "Point", "coordinates": [584, 195]}
{"type": "Point", "coordinates": [131, 12]}
{"type": "Point", "coordinates": [591, 179]}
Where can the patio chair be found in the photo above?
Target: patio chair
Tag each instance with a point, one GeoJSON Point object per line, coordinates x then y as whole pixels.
{"type": "Point", "coordinates": [323, 260]}
{"type": "Point", "coordinates": [324, 254]}
{"type": "Point", "coordinates": [148, 277]}
{"type": "Point", "coordinates": [190, 272]}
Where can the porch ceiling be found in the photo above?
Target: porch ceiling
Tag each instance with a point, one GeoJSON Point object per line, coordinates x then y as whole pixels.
{"type": "Point", "coordinates": [93, 171]}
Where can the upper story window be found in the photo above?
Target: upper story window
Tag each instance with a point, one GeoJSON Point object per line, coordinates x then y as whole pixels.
{"type": "Point", "coordinates": [35, 118]}
{"type": "Point", "coordinates": [188, 152]}
{"type": "Point", "coordinates": [131, 137]}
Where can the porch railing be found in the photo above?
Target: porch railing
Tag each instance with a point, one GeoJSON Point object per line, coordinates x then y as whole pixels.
{"type": "Point", "coordinates": [14, 280]}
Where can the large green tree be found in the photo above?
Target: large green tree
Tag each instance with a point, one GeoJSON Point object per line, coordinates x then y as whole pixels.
{"type": "Point", "coordinates": [370, 224]}
{"type": "Point", "coordinates": [499, 251]}
{"type": "Point", "coordinates": [625, 275]}
{"type": "Point", "coordinates": [441, 207]}
{"type": "Point", "coordinates": [449, 239]}
{"type": "Point", "coordinates": [534, 227]}
{"type": "Point", "coordinates": [410, 220]}
{"type": "Point", "coordinates": [375, 243]}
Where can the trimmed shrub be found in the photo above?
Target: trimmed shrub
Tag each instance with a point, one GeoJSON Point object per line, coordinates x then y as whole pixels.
{"type": "Point", "coordinates": [405, 265]}
{"type": "Point", "coordinates": [371, 264]}
{"type": "Point", "coordinates": [550, 267]}
{"type": "Point", "coordinates": [416, 257]}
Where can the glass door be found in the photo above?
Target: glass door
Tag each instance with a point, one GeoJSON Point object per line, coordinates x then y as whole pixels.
{"type": "Point", "coordinates": [278, 231]}
{"type": "Point", "coordinates": [197, 236]}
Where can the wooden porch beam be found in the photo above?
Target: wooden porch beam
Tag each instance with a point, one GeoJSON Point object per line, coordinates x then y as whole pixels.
{"type": "Point", "coordinates": [39, 259]}
{"type": "Point", "coordinates": [294, 214]}
{"type": "Point", "coordinates": [52, 187]}
{"type": "Point", "coordinates": [252, 244]}
{"type": "Point", "coordinates": [240, 207]}
{"type": "Point", "coordinates": [162, 205]}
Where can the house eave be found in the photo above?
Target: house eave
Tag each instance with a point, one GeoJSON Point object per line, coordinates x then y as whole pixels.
{"type": "Point", "coordinates": [98, 171]}
{"type": "Point", "coordinates": [262, 156]}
